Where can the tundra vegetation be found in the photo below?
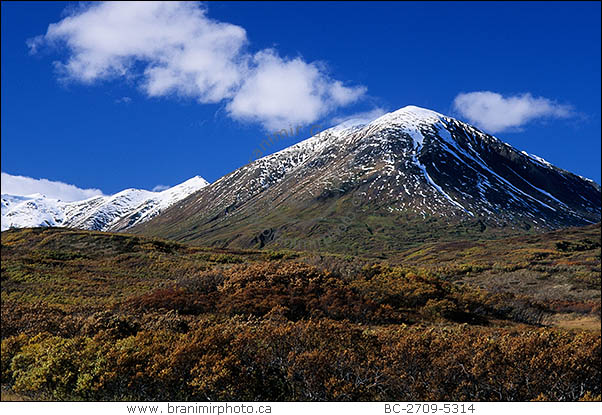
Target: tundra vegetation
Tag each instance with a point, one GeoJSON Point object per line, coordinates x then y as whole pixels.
{"type": "Point", "coordinates": [100, 316]}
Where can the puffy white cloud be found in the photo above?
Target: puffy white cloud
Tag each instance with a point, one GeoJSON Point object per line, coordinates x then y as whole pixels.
{"type": "Point", "coordinates": [280, 92]}
{"type": "Point", "coordinates": [175, 48]}
{"type": "Point", "coordinates": [496, 113]}
{"type": "Point", "coordinates": [24, 186]}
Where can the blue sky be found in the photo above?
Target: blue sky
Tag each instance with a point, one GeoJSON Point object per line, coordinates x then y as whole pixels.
{"type": "Point", "coordinates": [111, 112]}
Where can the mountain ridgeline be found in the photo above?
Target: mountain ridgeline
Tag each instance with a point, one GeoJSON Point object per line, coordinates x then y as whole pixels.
{"type": "Point", "coordinates": [410, 176]}
{"type": "Point", "coordinates": [116, 212]}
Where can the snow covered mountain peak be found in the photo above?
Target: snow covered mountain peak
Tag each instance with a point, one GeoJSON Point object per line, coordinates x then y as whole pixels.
{"type": "Point", "coordinates": [407, 164]}
{"type": "Point", "coordinates": [190, 185]}
{"type": "Point", "coordinates": [115, 212]}
{"type": "Point", "coordinates": [416, 113]}
{"type": "Point", "coordinates": [408, 116]}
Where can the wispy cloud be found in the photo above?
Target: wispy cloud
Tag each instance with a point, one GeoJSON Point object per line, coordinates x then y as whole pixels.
{"type": "Point", "coordinates": [360, 117]}
{"type": "Point", "coordinates": [123, 100]}
{"type": "Point", "coordinates": [494, 112]}
{"type": "Point", "coordinates": [160, 188]}
{"type": "Point", "coordinates": [175, 48]}
{"type": "Point", "coordinates": [24, 186]}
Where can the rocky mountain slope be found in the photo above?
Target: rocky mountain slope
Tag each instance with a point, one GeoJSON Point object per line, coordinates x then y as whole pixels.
{"type": "Point", "coordinates": [409, 176]}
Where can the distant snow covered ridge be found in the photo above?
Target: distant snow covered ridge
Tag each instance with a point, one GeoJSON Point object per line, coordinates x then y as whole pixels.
{"type": "Point", "coordinates": [103, 213]}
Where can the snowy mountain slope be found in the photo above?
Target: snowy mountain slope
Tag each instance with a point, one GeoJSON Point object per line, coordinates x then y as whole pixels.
{"type": "Point", "coordinates": [97, 213]}
{"type": "Point", "coordinates": [30, 211]}
{"type": "Point", "coordinates": [151, 204]}
{"type": "Point", "coordinates": [409, 167]}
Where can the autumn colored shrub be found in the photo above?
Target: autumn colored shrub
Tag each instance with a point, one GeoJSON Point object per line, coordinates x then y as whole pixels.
{"type": "Point", "coordinates": [113, 324]}
{"type": "Point", "coordinates": [400, 287]}
{"type": "Point", "coordinates": [256, 359]}
{"type": "Point", "coordinates": [37, 317]}
{"type": "Point", "coordinates": [175, 298]}
{"type": "Point", "coordinates": [583, 245]}
{"type": "Point", "coordinates": [96, 316]}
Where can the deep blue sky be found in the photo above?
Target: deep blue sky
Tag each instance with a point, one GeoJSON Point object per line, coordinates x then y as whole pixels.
{"type": "Point", "coordinates": [420, 54]}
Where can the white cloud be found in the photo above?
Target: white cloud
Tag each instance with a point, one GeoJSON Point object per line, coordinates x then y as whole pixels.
{"type": "Point", "coordinates": [496, 113]}
{"type": "Point", "coordinates": [160, 188]}
{"type": "Point", "coordinates": [360, 117]}
{"type": "Point", "coordinates": [175, 48]}
{"type": "Point", "coordinates": [280, 92]}
{"type": "Point", "coordinates": [123, 100]}
{"type": "Point", "coordinates": [24, 186]}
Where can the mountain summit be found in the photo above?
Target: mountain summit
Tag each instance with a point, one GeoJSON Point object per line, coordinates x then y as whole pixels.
{"type": "Point", "coordinates": [407, 176]}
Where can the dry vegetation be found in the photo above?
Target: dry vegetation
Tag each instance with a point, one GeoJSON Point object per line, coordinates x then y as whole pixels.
{"type": "Point", "coordinates": [89, 315]}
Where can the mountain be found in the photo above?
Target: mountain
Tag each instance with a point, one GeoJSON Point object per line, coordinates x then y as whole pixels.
{"type": "Point", "coordinates": [407, 177]}
{"type": "Point", "coordinates": [30, 211]}
{"type": "Point", "coordinates": [117, 212]}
